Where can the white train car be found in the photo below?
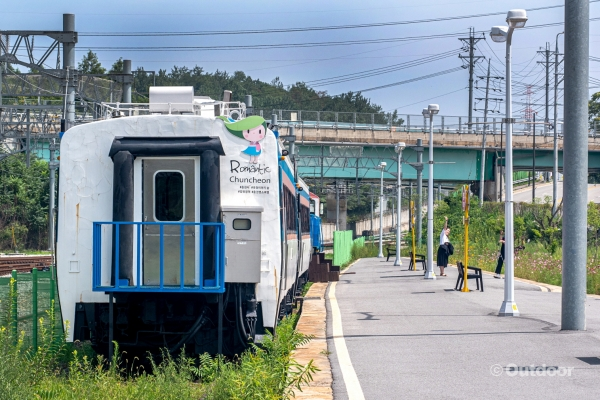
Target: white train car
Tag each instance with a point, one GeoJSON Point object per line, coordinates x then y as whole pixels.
{"type": "Point", "coordinates": [176, 228]}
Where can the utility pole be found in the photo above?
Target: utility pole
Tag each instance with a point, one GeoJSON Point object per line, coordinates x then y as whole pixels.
{"type": "Point", "coordinates": [470, 42]}
{"type": "Point", "coordinates": [485, 112]}
{"type": "Point", "coordinates": [53, 164]}
{"type": "Point", "coordinates": [1, 66]}
{"type": "Point", "coordinates": [575, 164]}
{"type": "Point", "coordinates": [555, 127]}
{"type": "Point", "coordinates": [371, 209]}
{"type": "Point", "coordinates": [337, 206]}
{"type": "Point", "coordinates": [547, 63]}
{"type": "Point", "coordinates": [127, 85]}
{"type": "Point", "coordinates": [419, 207]}
{"type": "Point", "coordinates": [69, 65]}
{"type": "Point", "coordinates": [533, 177]}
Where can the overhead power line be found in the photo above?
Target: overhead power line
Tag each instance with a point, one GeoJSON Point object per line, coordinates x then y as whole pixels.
{"type": "Point", "coordinates": [380, 71]}
{"type": "Point", "coordinates": [307, 29]}
{"type": "Point", "coordinates": [420, 78]}
{"type": "Point", "coordinates": [300, 45]}
{"type": "Point", "coordinates": [278, 45]}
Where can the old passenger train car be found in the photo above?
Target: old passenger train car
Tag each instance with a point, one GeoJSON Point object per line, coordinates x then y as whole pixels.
{"type": "Point", "coordinates": [185, 226]}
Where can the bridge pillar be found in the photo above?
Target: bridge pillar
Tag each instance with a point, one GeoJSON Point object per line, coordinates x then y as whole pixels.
{"type": "Point", "coordinates": [332, 210]}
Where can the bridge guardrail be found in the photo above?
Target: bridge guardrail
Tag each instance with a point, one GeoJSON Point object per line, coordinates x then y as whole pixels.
{"type": "Point", "coordinates": [308, 119]}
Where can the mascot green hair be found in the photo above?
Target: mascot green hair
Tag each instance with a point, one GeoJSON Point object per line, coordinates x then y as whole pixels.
{"type": "Point", "coordinates": [253, 129]}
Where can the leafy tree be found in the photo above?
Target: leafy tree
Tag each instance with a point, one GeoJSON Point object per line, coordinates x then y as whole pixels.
{"type": "Point", "coordinates": [593, 215]}
{"type": "Point", "coordinates": [594, 107]}
{"type": "Point", "coordinates": [117, 67]}
{"type": "Point", "coordinates": [267, 96]}
{"type": "Point", "coordinates": [23, 203]}
{"type": "Point", "coordinates": [90, 65]}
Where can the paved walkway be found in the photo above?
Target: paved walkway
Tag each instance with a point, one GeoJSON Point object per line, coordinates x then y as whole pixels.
{"type": "Point", "coordinates": [411, 338]}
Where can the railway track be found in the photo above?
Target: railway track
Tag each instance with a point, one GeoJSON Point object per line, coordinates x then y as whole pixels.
{"type": "Point", "coordinates": [23, 263]}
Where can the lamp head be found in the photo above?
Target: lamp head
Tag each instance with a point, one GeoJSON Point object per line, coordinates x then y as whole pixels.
{"type": "Point", "coordinates": [399, 147]}
{"type": "Point", "coordinates": [426, 112]}
{"type": "Point", "coordinates": [433, 108]}
{"type": "Point", "coordinates": [499, 34]}
{"type": "Point", "coordinates": [516, 18]}
{"type": "Point", "coordinates": [382, 164]}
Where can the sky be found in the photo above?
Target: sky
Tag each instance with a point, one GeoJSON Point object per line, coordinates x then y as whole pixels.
{"type": "Point", "coordinates": [387, 45]}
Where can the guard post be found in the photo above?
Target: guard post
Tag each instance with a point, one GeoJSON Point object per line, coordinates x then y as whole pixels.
{"type": "Point", "coordinates": [414, 245]}
{"type": "Point", "coordinates": [465, 206]}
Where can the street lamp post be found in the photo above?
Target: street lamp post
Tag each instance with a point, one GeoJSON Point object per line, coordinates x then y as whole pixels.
{"type": "Point", "coordinates": [515, 19]}
{"type": "Point", "coordinates": [429, 112]}
{"type": "Point", "coordinates": [398, 148]}
{"type": "Point", "coordinates": [381, 166]}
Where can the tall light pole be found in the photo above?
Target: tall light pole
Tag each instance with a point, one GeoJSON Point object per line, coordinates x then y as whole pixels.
{"type": "Point", "coordinates": [575, 164]}
{"type": "Point", "coordinates": [398, 148]}
{"type": "Point", "coordinates": [381, 166]}
{"type": "Point", "coordinates": [515, 19]}
{"type": "Point", "coordinates": [429, 112]}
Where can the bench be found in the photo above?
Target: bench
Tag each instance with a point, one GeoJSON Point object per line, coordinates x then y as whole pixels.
{"type": "Point", "coordinates": [419, 258]}
{"type": "Point", "coordinates": [391, 251]}
{"type": "Point", "coordinates": [477, 275]}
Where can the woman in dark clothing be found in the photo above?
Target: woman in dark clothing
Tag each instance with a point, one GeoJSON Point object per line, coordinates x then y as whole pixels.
{"type": "Point", "coordinates": [443, 251]}
{"type": "Point", "coordinates": [500, 257]}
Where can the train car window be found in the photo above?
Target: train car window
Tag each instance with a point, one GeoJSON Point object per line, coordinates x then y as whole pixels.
{"type": "Point", "coordinates": [242, 224]}
{"type": "Point", "coordinates": [305, 219]}
{"type": "Point", "coordinates": [168, 196]}
{"type": "Point", "coordinates": [289, 202]}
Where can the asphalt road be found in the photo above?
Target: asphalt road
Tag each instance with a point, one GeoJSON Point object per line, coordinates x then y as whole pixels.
{"type": "Point", "coordinates": [545, 189]}
{"type": "Point", "coordinates": [411, 338]}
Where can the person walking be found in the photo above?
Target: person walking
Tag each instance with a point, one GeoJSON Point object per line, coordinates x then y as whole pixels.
{"type": "Point", "coordinates": [443, 251]}
{"type": "Point", "coordinates": [500, 256]}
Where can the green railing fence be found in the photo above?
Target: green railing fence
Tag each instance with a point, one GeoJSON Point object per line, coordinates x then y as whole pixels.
{"type": "Point", "coordinates": [342, 246]}
{"type": "Point", "coordinates": [25, 298]}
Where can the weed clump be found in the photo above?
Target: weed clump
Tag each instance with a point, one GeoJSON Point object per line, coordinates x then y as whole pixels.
{"type": "Point", "coordinates": [57, 370]}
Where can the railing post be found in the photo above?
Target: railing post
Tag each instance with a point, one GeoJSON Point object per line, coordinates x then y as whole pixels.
{"type": "Point", "coordinates": [139, 238]}
{"type": "Point", "coordinates": [318, 118]}
{"type": "Point", "coordinates": [181, 256]}
{"type": "Point", "coordinates": [162, 261]}
{"type": "Point", "coordinates": [476, 124]}
{"type": "Point", "coordinates": [354, 121]}
{"type": "Point", "coordinates": [459, 124]}
{"type": "Point", "coordinates": [117, 254]}
{"type": "Point", "coordinates": [52, 289]}
{"type": "Point", "coordinates": [201, 255]}
{"type": "Point", "coordinates": [14, 317]}
{"type": "Point", "coordinates": [34, 308]}
{"type": "Point", "coordinates": [372, 121]}
{"type": "Point", "coordinates": [443, 124]}
{"type": "Point", "coordinates": [494, 121]}
{"type": "Point", "coordinates": [407, 123]}
{"type": "Point", "coordinates": [336, 119]}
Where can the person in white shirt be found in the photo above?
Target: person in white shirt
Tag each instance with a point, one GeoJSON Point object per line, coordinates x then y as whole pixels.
{"type": "Point", "coordinates": [443, 251]}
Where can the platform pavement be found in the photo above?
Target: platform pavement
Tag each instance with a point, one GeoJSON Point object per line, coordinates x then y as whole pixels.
{"type": "Point", "coordinates": [411, 338]}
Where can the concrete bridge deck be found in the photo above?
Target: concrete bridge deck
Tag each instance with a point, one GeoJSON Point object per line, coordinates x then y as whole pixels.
{"type": "Point", "coordinates": [444, 139]}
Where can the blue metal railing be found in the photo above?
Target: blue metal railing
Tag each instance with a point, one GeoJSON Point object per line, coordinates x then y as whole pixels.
{"type": "Point", "coordinates": [214, 284]}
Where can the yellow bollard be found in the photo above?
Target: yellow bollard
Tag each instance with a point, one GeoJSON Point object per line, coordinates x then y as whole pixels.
{"type": "Point", "coordinates": [414, 245]}
{"type": "Point", "coordinates": [466, 219]}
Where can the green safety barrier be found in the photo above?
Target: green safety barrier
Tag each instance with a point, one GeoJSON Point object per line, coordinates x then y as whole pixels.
{"type": "Point", "coordinates": [342, 246]}
{"type": "Point", "coordinates": [25, 298]}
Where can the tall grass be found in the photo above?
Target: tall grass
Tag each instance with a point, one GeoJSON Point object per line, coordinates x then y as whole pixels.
{"type": "Point", "coordinates": [540, 261]}
{"type": "Point", "coordinates": [57, 371]}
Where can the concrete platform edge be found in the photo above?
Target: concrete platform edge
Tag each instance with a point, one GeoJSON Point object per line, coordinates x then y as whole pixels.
{"type": "Point", "coordinates": [313, 322]}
